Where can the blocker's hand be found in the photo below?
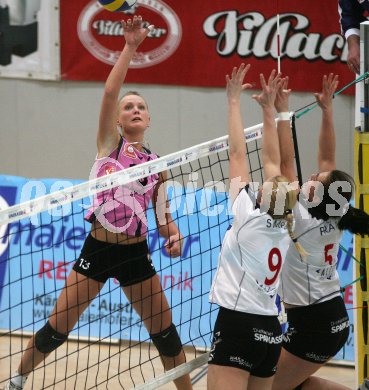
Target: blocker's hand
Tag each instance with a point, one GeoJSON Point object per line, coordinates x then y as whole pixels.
{"type": "Point", "coordinates": [325, 98]}
{"type": "Point", "coordinates": [269, 90]}
{"type": "Point", "coordinates": [235, 83]}
{"type": "Point", "coordinates": [282, 97]}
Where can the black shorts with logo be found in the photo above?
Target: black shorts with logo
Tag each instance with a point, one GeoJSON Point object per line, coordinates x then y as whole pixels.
{"type": "Point", "coordinates": [129, 264]}
{"type": "Point", "coordinates": [317, 332]}
{"type": "Point", "coordinates": [246, 341]}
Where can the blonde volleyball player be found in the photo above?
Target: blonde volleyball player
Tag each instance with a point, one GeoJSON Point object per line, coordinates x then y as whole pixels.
{"type": "Point", "coordinates": [310, 287]}
{"type": "Point", "coordinates": [247, 335]}
{"type": "Point", "coordinates": [116, 246]}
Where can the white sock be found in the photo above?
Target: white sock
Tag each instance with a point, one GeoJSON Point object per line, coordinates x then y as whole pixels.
{"type": "Point", "coordinates": [18, 380]}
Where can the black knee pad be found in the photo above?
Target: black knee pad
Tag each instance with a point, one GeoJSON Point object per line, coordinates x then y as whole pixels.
{"type": "Point", "coordinates": [167, 342]}
{"type": "Point", "coordinates": [47, 339]}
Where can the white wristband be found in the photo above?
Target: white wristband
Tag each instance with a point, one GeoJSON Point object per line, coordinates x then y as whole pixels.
{"type": "Point", "coordinates": [284, 116]}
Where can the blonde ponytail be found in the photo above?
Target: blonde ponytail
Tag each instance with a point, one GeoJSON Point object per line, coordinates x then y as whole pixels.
{"type": "Point", "coordinates": [290, 219]}
{"type": "Point", "coordinates": [283, 192]}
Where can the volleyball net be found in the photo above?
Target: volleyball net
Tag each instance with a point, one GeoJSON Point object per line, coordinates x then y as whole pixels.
{"type": "Point", "coordinates": [109, 347]}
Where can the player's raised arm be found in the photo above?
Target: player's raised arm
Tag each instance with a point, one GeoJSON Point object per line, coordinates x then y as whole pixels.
{"type": "Point", "coordinates": [238, 166]}
{"type": "Point", "coordinates": [284, 131]}
{"type": "Point", "coordinates": [108, 135]}
{"type": "Point", "coordinates": [327, 138]}
{"type": "Point", "coordinates": [270, 144]}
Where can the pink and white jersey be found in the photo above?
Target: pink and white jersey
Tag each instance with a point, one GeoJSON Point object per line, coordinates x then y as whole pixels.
{"type": "Point", "coordinates": [123, 209]}
{"type": "Point", "coordinates": [313, 278]}
{"type": "Point", "coordinates": [250, 260]}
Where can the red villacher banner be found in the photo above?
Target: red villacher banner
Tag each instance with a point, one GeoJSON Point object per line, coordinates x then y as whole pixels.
{"type": "Point", "coordinates": [197, 43]}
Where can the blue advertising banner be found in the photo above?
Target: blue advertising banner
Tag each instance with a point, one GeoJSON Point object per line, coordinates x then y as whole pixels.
{"type": "Point", "coordinates": [8, 192]}
{"type": "Point", "coordinates": [38, 253]}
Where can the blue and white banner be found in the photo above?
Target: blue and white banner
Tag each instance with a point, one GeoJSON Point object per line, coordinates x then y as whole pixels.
{"type": "Point", "coordinates": [37, 254]}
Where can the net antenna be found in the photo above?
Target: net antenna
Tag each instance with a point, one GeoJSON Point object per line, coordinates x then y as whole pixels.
{"type": "Point", "coordinates": [278, 39]}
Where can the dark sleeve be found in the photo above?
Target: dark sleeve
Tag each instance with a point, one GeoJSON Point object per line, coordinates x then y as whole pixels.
{"type": "Point", "coordinates": [351, 14]}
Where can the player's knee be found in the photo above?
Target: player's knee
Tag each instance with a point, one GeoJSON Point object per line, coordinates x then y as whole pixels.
{"type": "Point", "coordinates": [167, 342]}
{"type": "Point", "coordinates": [48, 339]}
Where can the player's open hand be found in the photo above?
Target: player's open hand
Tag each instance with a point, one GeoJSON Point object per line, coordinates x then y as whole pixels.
{"type": "Point", "coordinates": [235, 83]}
{"type": "Point", "coordinates": [134, 32]}
{"type": "Point", "coordinates": [282, 97]}
{"type": "Point", "coordinates": [325, 98]}
{"type": "Point", "coordinates": [269, 90]}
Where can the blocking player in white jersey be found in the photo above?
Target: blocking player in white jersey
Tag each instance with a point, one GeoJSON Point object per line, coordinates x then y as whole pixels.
{"type": "Point", "coordinates": [318, 324]}
{"type": "Point", "coordinates": [247, 336]}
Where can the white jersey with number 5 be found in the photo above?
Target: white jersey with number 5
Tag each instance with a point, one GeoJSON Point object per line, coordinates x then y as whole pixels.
{"type": "Point", "coordinates": [312, 279]}
{"type": "Point", "coordinates": [250, 260]}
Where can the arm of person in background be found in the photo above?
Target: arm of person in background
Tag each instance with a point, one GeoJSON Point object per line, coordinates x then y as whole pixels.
{"type": "Point", "coordinates": [327, 137]}
{"type": "Point", "coordinates": [270, 144]}
{"type": "Point", "coordinates": [351, 15]}
{"type": "Point", "coordinates": [108, 135]}
{"type": "Point", "coordinates": [238, 165]}
{"type": "Point", "coordinates": [286, 147]}
{"type": "Point", "coordinates": [164, 221]}
{"type": "Point", "coordinates": [353, 57]}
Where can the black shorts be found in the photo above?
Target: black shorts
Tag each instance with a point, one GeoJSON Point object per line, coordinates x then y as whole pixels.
{"type": "Point", "coordinates": [129, 264]}
{"type": "Point", "coordinates": [317, 332]}
{"type": "Point", "coordinates": [246, 341]}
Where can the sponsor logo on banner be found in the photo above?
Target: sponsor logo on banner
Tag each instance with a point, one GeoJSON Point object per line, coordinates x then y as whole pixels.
{"type": "Point", "coordinates": [258, 37]}
{"type": "Point", "coordinates": [173, 162]}
{"type": "Point", "coordinates": [97, 29]}
{"type": "Point", "coordinates": [214, 148]}
{"type": "Point", "coordinates": [254, 134]}
{"type": "Point", "coordinates": [47, 252]}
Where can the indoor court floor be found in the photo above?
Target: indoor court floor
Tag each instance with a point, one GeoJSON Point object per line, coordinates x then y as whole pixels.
{"type": "Point", "coordinates": [96, 357]}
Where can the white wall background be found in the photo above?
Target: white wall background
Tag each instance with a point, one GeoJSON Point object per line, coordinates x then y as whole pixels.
{"type": "Point", "coordinates": [48, 129]}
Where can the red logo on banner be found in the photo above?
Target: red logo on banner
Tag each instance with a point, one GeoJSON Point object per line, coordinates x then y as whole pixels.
{"type": "Point", "coordinates": [101, 32]}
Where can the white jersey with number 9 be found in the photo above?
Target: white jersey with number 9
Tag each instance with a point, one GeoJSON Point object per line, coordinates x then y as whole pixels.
{"type": "Point", "coordinates": [251, 259]}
